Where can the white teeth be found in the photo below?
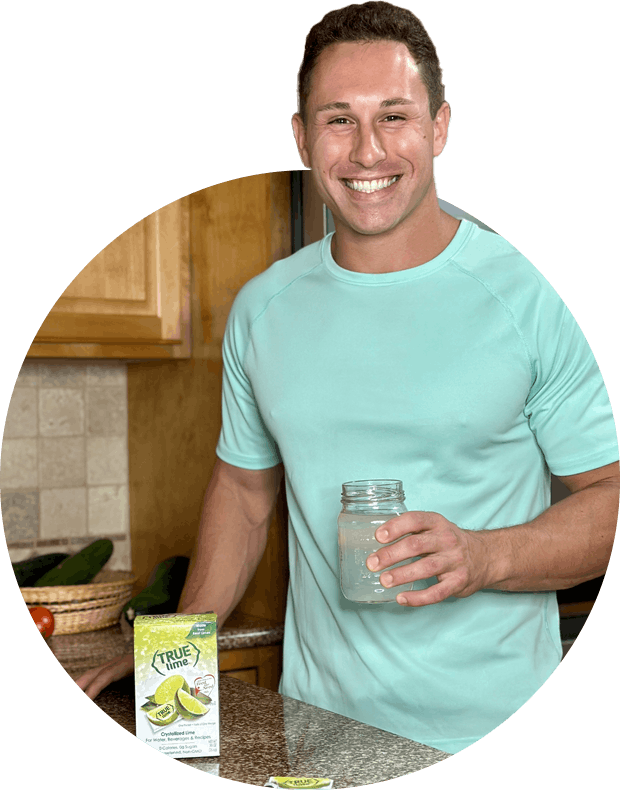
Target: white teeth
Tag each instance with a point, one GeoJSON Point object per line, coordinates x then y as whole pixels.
{"type": "Point", "coordinates": [370, 186]}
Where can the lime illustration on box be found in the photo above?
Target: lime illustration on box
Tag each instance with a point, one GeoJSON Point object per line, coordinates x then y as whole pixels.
{"type": "Point", "coordinates": [176, 678]}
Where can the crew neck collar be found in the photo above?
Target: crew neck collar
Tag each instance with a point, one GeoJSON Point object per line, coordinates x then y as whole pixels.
{"type": "Point", "coordinates": [462, 234]}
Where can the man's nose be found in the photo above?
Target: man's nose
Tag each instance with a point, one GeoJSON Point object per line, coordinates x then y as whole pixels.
{"type": "Point", "coordinates": [368, 149]}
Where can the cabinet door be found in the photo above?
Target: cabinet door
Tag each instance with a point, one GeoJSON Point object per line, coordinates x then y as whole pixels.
{"type": "Point", "coordinates": [261, 666]}
{"type": "Point", "coordinates": [132, 300]}
{"type": "Point", "coordinates": [238, 228]}
{"type": "Point", "coordinates": [246, 675]}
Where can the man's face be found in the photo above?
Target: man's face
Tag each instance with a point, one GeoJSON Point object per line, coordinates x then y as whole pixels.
{"type": "Point", "coordinates": [369, 138]}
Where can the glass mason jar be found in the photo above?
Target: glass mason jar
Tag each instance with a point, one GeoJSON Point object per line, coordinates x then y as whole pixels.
{"type": "Point", "coordinates": [366, 504]}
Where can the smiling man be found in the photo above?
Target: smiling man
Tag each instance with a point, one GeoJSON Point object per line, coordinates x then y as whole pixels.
{"type": "Point", "coordinates": [413, 346]}
{"type": "Point", "coordinates": [369, 135]}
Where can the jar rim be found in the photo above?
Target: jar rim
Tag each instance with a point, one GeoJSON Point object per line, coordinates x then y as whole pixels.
{"type": "Point", "coordinates": [372, 490]}
{"type": "Point", "coordinates": [374, 482]}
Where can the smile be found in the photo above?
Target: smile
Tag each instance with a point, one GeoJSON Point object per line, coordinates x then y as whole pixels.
{"type": "Point", "coordinates": [370, 186]}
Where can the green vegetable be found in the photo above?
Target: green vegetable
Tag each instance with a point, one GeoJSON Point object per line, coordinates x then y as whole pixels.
{"type": "Point", "coordinates": [163, 590]}
{"type": "Point", "coordinates": [28, 571]}
{"type": "Point", "coordinates": [81, 568]}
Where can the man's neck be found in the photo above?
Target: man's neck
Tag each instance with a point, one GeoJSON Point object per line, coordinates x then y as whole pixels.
{"type": "Point", "coordinates": [417, 240]}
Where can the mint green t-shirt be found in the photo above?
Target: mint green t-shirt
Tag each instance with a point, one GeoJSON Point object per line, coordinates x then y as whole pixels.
{"type": "Point", "coordinates": [466, 378]}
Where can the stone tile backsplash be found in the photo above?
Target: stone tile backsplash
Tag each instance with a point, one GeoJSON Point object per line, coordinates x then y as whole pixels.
{"type": "Point", "coordinates": [64, 471]}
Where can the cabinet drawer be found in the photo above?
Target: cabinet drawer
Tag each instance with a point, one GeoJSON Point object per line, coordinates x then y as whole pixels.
{"type": "Point", "coordinates": [247, 675]}
{"type": "Point", "coordinates": [261, 666]}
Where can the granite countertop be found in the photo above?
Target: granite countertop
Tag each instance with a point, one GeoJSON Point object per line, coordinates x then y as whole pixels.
{"type": "Point", "coordinates": [262, 733]}
{"type": "Point", "coordinates": [243, 630]}
{"type": "Point", "coordinates": [79, 652]}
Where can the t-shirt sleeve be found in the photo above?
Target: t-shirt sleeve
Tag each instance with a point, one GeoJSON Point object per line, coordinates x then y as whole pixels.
{"type": "Point", "coordinates": [244, 440]}
{"type": "Point", "coordinates": [568, 407]}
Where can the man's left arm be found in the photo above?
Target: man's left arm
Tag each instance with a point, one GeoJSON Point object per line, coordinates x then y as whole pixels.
{"type": "Point", "coordinates": [567, 544]}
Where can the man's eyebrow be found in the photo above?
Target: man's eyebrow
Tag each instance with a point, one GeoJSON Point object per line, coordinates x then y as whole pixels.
{"type": "Point", "coordinates": [395, 102]}
{"type": "Point", "coordinates": [343, 105]}
{"type": "Point", "coordinates": [334, 105]}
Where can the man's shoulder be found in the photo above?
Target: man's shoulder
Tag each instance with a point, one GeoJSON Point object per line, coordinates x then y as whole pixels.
{"type": "Point", "coordinates": [500, 267]}
{"type": "Point", "coordinates": [256, 294]}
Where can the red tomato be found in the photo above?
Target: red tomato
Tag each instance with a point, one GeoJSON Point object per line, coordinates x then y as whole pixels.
{"type": "Point", "coordinates": [44, 620]}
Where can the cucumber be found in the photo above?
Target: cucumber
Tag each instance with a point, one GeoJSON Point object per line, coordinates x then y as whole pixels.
{"type": "Point", "coordinates": [28, 571]}
{"type": "Point", "coordinates": [163, 590]}
{"type": "Point", "coordinates": [80, 568]}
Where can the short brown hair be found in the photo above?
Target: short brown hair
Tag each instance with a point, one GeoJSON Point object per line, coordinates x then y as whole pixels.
{"type": "Point", "coordinates": [374, 21]}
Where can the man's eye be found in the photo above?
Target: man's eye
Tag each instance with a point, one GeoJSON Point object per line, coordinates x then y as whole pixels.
{"type": "Point", "coordinates": [340, 121]}
{"type": "Point", "coordinates": [394, 118]}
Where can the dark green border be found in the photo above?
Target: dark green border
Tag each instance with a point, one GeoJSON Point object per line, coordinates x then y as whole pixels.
{"type": "Point", "coordinates": [116, 109]}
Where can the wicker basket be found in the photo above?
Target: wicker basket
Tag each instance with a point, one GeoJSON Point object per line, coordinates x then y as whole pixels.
{"type": "Point", "coordinates": [78, 608]}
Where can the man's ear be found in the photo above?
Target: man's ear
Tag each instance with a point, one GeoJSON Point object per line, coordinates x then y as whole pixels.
{"type": "Point", "coordinates": [440, 126]}
{"type": "Point", "coordinates": [299, 130]}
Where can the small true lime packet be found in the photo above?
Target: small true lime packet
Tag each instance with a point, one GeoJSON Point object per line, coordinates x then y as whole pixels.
{"type": "Point", "coordinates": [300, 782]}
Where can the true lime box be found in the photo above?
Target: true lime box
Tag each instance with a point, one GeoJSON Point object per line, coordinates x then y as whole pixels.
{"type": "Point", "coordinates": [177, 699]}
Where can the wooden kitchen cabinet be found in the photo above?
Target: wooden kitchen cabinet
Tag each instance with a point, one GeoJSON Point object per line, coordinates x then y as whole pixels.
{"type": "Point", "coordinates": [261, 666]}
{"type": "Point", "coordinates": [132, 300]}
{"type": "Point", "coordinates": [237, 229]}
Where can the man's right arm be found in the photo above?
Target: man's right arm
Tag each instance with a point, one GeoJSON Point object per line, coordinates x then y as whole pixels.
{"type": "Point", "coordinates": [234, 526]}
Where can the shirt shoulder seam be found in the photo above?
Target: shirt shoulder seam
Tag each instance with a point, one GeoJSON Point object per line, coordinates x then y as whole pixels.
{"type": "Point", "coordinates": [268, 303]}
{"type": "Point", "coordinates": [508, 310]}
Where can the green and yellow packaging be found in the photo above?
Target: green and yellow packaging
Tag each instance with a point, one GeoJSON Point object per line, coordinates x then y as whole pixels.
{"type": "Point", "coordinates": [177, 694]}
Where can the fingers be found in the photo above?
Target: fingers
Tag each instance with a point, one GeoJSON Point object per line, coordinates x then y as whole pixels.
{"type": "Point", "coordinates": [424, 568]}
{"type": "Point", "coordinates": [87, 677]}
{"type": "Point", "coordinates": [404, 549]}
{"type": "Point", "coordinates": [95, 680]}
{"type": "Point", "coordinates": [413, 521]}
{"type": "Point", "coordinates": [433, 594]}
{"type": "Point", "coordinates": [98, 683]}
{"type": "Point", "coordinates": [429, 546]}
{"type": "Point", "coordinates": [84, 680]}
{"type": "Point", "coordinates": [424, 533]}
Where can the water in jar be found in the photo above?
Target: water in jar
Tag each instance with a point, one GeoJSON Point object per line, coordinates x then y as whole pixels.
{"type": "Point", "coordinates": [356, 541]}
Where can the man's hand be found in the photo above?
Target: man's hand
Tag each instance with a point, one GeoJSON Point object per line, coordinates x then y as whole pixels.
{"type": "Point", "coordinates": [457, 557]}
{"type": "Point", "coordinates": [567, 544]}
{"type": "Point", "coordinates": [93, 681]}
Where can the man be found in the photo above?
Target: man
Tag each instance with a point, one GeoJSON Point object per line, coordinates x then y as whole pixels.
{"type": "Point", "coordinates": [407, 345]}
